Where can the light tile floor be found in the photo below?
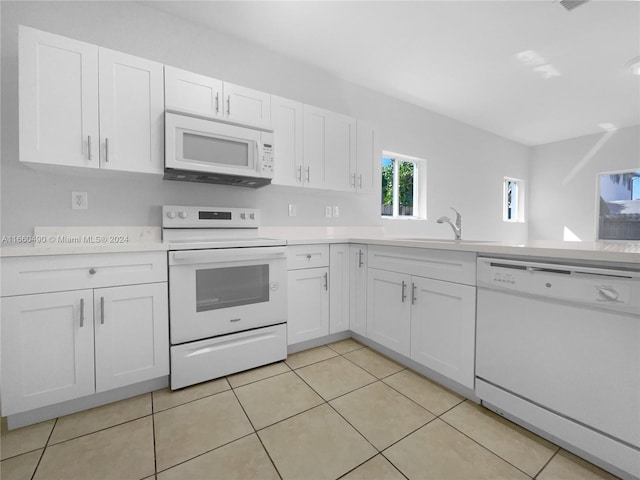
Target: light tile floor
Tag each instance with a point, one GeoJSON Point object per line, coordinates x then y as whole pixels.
{"type": "Point", "coordinates": [339, 411]}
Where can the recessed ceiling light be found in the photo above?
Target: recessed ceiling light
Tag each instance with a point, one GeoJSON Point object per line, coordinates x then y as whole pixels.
{"type": "Point", "coordinates": [634, 65]}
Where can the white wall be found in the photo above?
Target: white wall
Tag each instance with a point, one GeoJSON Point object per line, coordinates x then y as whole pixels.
{"type": "Point", "coordinates": [465, 165]}
{"type": "Point", "coordinates": [564, 181]}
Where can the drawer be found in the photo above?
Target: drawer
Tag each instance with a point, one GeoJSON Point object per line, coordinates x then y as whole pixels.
{"type": "Point", "coordinates": [40, 274]}
{"type": "Point", "coordinates": [447, 265]}
{"type": "Point", "coordinates": [307, 256]}
{"type": "Point", "coordinates": [197, 362]}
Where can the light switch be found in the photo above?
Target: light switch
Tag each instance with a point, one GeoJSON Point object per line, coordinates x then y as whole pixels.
{"type": "Point", "coordinates": [292, 210]}
{"type": "Point", "coordinates": [79, 200]}
{"type": "Point", "coordinates": [336, 211]}
{"type": "Point", "coordinates": [327, 211]}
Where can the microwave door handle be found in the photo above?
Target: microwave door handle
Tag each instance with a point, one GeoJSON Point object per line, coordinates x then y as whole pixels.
{"type": "Point", "coordinates": [258, 163]}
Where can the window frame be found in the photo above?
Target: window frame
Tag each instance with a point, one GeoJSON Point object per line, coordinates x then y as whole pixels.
{"type": "Point", "coordinates": [597, 206]}
{"type": "Point", "coordinates": [517, 203]}
{"type": "Point", "coordinates": [419, 186]}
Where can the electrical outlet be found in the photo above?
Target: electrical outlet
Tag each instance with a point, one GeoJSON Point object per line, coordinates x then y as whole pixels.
{"type": "Point", "coordinates": [327, 211]}
{"type": "Point", "coordinates": [79, 200]}
{"type": "Point", "coordinates": [336, 211]}
{"type": "Point", "coordinates": [292, 210]}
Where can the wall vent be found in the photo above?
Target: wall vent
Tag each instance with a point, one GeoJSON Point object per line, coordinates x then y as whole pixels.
{"type": "Point", "coordinates": [571, 4]}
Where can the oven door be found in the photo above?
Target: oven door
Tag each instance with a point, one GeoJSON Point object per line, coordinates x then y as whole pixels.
{"type": "Point", "coordinates": [214, 292]}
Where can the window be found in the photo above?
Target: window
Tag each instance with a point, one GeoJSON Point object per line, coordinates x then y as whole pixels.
{"type": "Point", "coordinates": [401, 196]}
{"type": "Point", "coordinates": [513, 200]}
{"type": "Point", "coordinates": [619, 205]}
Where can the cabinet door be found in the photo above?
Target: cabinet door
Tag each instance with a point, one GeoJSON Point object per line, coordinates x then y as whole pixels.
{"type": "Point", "coordinates": [58, 100]}
{"type": "Point", "coordinates": [245, 105]}
{"type": "Point", "coordinates": [358, 289]}
{"type": "Point", "coordinates": [287, 123]}
{"type": "Point", "coordinates": [47, 349]}
{"type": "Point", "coordinates": [389, 310]}
{"type": "Point", "coordinates": [365, 170]}
{"type": "Point", "coordinates": [443, 328]}
{"type": "Point", "coordinates": [315, 132]}
{"type": "Point", "coordinates": [308, 304]}
{"type": "Point", "coordinates": [189, 92]}
{"type": "Point", "coordinates": [132, 334]}
{"type": "Point", "coordinates": [131, 113]}
{"type": "Point", "coordinates": [340, 145]}
{"type": "Point", "coordinates": [338, 288]}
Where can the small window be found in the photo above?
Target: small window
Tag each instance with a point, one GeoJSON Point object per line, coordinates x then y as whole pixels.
{"type": "Point", "coordinates": [513, 200]}
{"type": "Point", "coordinates": [619, 205]}
{"type": "Point", "coordinates": [400, 195]}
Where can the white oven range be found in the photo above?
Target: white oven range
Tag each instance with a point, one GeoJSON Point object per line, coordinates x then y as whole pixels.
{"type": "Point", "coordinates": [227, 293]}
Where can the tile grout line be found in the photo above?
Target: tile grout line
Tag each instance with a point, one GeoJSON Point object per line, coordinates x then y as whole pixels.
{"type": "Point", "coordinates": [548, 462]}
{"type": "Point", "coordinates": [46, 445]}
{"type": "Point", "coordinates": [255, 431]}
{"type": "Point", "coordinates": [153, 429]}
{"type": "Point", "coordinates": [484, 446]}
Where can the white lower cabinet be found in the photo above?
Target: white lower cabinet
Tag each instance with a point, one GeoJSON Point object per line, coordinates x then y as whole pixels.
{"type": "Point", "coordinates": [59, 346]}
{"type": "Point", "coordinates": [443, 328]}
{"type": "Point", "coordinates": [47, 349]}
{"type": "Point", "coordinates": [358, 289]}
{"type": "Point", "coordinates": [389, 310]}
{"type": "Point", "coordinates": [308, 304]}
{"type": "Point", "coordinates": [131, 332]}
{"type": "Point", "coordinates": [338, 288]}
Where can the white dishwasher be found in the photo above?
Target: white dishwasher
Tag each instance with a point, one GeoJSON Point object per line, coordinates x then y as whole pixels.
{"type": "Point", "coordinates": [558, 347]}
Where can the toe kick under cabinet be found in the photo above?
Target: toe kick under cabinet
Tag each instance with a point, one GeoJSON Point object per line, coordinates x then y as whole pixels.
{"type": "Point", "coordinates": [75, 325]}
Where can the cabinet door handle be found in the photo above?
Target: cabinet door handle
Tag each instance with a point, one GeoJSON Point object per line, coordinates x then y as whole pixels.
{"type": "Point", "coordinates": [106, 150]}
{"type": "Point", "coordinates": [299, 176]}
{"type": "Point", "coordinates": [404, 286]}
{"type": "Point", "coordinates": [81, 312]}
{"type": "Point", "coordinates": [229, 105]}
{"type": "Point", "coordinates": [89, 147]}
{"type": "Point", "coordinates": [353, 180]}
{"type": "Point", "coordinates": [326, 281]}
{"type": "Point", "coordinates": [360, 181]}
{"type": "Point", "coordinates": [101, 310]}
{"type": "Point", "coordinates": [359, 258]}
{"type": "Point", "coordinates": [308, 174]}
{"type": "Point", "coordinates": [413, 293]}
{"type": "Point", "coordinates": [217, 102]}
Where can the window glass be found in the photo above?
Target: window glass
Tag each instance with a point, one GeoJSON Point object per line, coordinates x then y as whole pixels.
{"type": "Point", "coordinates": [513, 200]}
{"type": "Point", "coordinates": [399, 192]}
{"type": "Point", "coordinates": [619, 206]}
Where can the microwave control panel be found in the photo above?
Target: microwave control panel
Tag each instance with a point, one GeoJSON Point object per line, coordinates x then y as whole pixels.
{"type": "Point", "coordinates": [267, 158]}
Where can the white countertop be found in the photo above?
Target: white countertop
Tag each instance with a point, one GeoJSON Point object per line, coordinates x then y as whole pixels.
{"type": "Point", "coordinates": [86, 240]}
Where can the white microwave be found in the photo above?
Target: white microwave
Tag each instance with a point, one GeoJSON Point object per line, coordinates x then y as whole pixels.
{"type": "Point", "coordinates": [202, 150]}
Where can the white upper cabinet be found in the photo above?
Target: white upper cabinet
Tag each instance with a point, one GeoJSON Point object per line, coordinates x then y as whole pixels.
{"type": "Point", "coordinates": [192, 93]}
{"type": "Point", "coordinates": [329, 147]}
{"type": "Point", "coordinates": [131, 113]}
{"type": "Point", "coordinates": [245, 105]}
{"type": "Point", "coordinates": [365, 167]}
{"type": "Point", "coordinates": [58, 97]}
{"type": "Point", "coordinates": [196, 94]}
{"type": "Point", "coordinates": [85, 106]}
{"type": "Point", "coordinates": [287, 123]}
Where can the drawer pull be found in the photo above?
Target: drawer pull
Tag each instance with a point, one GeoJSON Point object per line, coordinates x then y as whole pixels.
{"type": "Point", "coordinates": [81, 312]}
{"type": "Point", "coordinates": [404, 286]}
{"type": "Point", "coordinates": [326, 281]}
{"type": "Point", "coordinates": [101, 310]}
{"type": "Point", "coordinates": [309, 256]}
{"type": "Point", "coordinates": [92, 271]}
{"type": "Point", "coordinates": [233, 320]}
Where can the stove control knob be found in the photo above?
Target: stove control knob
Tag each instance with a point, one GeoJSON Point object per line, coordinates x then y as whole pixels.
{"type": "Point", "coordinates": [171, 214]}
{"type": "Point", "coordinates": [243, 216]}
{"type": "Point", "coordinates": [182, 214]}
{"type": "Point", "coordinates": [252, 216]}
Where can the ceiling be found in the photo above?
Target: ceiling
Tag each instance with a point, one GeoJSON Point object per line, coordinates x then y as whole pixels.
{"type": "Point", "coordinates": [460, 58]}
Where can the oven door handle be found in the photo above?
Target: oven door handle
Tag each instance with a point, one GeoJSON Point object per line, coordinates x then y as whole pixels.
{"type": "Point", "coordinates": [226, 255]}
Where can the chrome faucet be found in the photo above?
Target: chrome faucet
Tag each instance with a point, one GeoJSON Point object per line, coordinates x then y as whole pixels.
{"type": "Point", "coordinates": [457, 228]}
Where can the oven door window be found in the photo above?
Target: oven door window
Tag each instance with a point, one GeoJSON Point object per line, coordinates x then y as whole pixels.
{"type": "Point", "coordinates": [230, 287]}
{"type": "Point", "coordinates": [217, 150]}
